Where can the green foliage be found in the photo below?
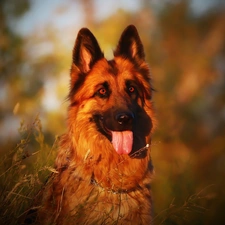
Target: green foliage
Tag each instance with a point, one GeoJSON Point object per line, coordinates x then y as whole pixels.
{"type": "Point", "coordinates": [23, 171]}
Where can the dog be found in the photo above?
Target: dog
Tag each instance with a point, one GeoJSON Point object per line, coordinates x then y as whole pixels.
{"type": "Point", "coordinates": [104, 167]}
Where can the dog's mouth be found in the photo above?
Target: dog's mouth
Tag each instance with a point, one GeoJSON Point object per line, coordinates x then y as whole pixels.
{"type": "Point", "coordinates": [122, 140]}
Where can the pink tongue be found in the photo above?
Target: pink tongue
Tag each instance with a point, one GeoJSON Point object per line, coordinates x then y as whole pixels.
{"type": "Point", "coordinates": [122, 141]}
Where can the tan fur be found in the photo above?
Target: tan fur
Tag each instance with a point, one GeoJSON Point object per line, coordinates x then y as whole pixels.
{"type": "Point", "coordinates": [94, 184]}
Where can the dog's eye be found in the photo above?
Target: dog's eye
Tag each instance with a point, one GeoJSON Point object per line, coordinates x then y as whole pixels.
{"type": "Point", "coordinates": [131, 89]}
{"type": "Point", "coordinates": [102, 92]}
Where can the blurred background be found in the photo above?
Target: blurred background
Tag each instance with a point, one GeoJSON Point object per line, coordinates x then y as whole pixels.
{"type": "Point", "coordinates": [185, 47]}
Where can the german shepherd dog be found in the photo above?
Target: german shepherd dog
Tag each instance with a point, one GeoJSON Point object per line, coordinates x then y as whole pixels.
{"type": "Point", "coordinates": [104, 165]}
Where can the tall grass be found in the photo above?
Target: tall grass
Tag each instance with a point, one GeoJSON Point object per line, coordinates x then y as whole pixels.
{"type": "Point", "coordinates": [190, 212]}
{"type": "Point", "coordinates": [23, 170]}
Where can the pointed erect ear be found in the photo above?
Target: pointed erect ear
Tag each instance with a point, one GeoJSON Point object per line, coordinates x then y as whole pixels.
{"type": "Point", "coordinates": [86, 51]}
{"type": "Point", "coordinates": [130, 45]}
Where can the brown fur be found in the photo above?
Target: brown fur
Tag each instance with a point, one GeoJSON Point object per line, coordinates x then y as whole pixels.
{"type": "Point", "coordinates": [94, 184]}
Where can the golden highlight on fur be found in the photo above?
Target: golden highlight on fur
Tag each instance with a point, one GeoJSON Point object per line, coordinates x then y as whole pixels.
{"type": "Point", "coordinates": [100, 179]}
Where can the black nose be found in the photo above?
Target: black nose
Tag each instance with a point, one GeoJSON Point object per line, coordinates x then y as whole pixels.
{"type": "Point", "coordinates": [125, 118]}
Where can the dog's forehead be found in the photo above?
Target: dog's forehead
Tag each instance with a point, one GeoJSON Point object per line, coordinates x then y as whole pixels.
{"type": "Point", "coordinates": [116, 70]}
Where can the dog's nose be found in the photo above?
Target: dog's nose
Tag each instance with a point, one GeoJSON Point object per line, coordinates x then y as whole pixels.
{"type": "Point", "coordinates": [125, 118]}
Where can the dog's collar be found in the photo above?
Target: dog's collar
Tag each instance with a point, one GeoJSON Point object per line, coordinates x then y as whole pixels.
{"type": "Point", "coordinates": [111, 190]}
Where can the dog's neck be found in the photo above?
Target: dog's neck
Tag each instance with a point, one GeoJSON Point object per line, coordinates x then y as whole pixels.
{"type": "Point", "coordinates": [111, 190]}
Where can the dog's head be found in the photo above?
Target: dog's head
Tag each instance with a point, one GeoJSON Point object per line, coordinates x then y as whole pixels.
{"type": "Point", "coordinates": [110, 101]}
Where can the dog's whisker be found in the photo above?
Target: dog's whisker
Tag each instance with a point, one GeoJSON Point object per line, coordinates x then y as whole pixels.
{"type": "Point", "coordinates": [139, 151]}
{"type": "Point", "coordinates": [143, 149]}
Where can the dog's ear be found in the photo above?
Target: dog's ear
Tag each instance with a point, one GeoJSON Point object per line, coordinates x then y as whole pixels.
{"type": "Point", "coordinates": [130, 45]}
{"type": "Point", "coordinates": [86, 51]}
